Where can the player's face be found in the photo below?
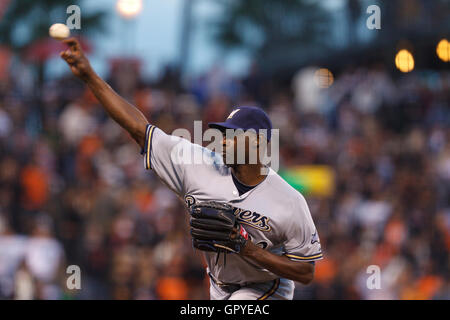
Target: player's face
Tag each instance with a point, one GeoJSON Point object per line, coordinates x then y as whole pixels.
{"type": "Point", "coordinates": [229, 150]}
{"type": "Point", "coordinates": [236, 148]}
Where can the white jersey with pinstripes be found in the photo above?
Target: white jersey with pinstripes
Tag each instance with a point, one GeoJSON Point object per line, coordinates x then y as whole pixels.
{"type": "Point", "coordinates": [275, 215]}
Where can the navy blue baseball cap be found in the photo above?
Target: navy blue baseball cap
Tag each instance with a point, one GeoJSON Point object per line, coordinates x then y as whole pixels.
{"type": "Point", "coordinates": [246, 118]}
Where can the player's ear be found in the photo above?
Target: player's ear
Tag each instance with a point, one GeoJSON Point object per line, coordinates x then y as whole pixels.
{"type": "Point", "coordinates": [258, 140]}
{"type": "Point", "coordinates": [254, 142]}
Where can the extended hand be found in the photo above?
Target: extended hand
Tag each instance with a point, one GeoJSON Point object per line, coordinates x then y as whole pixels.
{"type": "Point", "coordinates": [76, 59]}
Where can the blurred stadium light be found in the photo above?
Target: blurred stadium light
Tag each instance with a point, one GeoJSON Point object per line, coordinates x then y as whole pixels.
{"type": "Point", "coordinates": [129, 8]}
{"type": "Point", "coordinates": [443, 50]}
{"type": "Point", "coordinates": [404, 61]}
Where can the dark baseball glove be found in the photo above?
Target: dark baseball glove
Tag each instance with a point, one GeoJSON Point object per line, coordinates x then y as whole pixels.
{"type": "Point", "coordinates": [215, 228]}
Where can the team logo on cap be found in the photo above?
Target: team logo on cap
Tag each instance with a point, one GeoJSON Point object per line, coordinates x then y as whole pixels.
{"type": "Point", "coordinates": [233, 113]}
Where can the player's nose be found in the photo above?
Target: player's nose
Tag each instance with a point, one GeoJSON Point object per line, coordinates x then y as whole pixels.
{"type": "Point", "coordinates": [224, 140]}
{"type": "Point", "coordinates": [227, 141]}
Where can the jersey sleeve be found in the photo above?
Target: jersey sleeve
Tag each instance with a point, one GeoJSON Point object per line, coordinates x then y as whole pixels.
{"type": "Point", "coordinates": [303, 242]}
{"type": "Point", "coordinates": [162, 155]}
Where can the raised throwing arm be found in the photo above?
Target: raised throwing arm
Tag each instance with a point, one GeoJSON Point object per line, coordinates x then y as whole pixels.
{"type": "Point", "coordinates": [124, 113]}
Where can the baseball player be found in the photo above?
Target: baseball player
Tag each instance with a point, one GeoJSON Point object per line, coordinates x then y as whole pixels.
{"type": "Point", "coordinates": [255, 230]}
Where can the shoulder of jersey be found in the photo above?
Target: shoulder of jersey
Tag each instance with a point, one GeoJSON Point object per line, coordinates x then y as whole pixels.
{"type": "Point", "coordinates": [216, 160]}
{"type": "Point", "coordinates": [280, 187]}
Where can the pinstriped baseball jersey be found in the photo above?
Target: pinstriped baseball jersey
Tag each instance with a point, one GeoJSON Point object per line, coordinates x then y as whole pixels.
{"type": "Point", "coordinates": [275, 215]}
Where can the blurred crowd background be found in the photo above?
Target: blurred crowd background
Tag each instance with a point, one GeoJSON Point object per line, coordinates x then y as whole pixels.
{"type": "Point", "coordinates": [73, 189]}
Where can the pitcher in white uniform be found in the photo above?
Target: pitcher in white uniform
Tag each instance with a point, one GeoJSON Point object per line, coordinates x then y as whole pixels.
{"type": "Point", "coordinates": [284, 241]}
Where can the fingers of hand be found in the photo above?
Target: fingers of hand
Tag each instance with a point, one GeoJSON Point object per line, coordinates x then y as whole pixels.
{"type": "Point", "coordinates": [72, 43]}
{"type": "Point", "coordinates": [68, 56]}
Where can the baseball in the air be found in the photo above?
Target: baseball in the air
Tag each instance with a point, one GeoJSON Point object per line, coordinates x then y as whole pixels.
{"type": "Point", "coordinates": [59, 31]}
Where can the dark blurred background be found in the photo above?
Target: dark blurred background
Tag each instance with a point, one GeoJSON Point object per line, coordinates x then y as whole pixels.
{"type": "Point", "coordinates": [365, 110]}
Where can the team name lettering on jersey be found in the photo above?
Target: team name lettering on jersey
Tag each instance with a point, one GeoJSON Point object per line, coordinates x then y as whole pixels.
{"type": "Point", "coordinates": [253, 219]}
{"type": "Point", "coordinates": [250, 218]}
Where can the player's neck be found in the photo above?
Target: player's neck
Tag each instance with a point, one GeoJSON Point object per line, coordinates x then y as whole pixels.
{"type": "Point", "coordinates": [249, 174]}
